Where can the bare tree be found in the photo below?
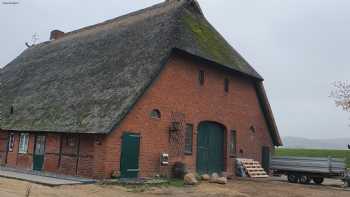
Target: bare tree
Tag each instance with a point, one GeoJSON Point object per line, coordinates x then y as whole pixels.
{"type": "Point", "coordinates": [341, 94]}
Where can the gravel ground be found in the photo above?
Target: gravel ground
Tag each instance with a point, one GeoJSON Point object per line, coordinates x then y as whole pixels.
{"type": "Point", "coordinates": [273, 187]}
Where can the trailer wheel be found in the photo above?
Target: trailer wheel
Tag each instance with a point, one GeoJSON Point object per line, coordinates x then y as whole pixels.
{"type": "Point", "coordinates": [292, 178]}
{"type": "Point", "coordinates": [304, 179]}
{"type": "Point", "coordinates": [318, 180]}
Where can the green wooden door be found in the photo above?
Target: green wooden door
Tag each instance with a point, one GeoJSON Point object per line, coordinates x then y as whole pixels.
{"type": "Point", "coordinates": [129, 163]}
{"type": "Point", "coordinates": [210, 148]}
{"type": "Point", "coordinates": [265, 158]}
{"type": "Point", "coordinates": [39, 152]}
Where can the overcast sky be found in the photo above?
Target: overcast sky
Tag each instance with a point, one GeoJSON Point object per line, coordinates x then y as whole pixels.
{"type": "Point", "coordinates": [299, 46]}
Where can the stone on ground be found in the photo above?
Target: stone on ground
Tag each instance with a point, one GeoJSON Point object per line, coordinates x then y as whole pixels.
{"type": "Point", "coordinates": [190, 179]}
{"type": "Point", "coordinates": [215, 178]}
{"type": "Point", "coordinates": [205, 177]}
{"type": "Point", "coordinates": [221, 180]}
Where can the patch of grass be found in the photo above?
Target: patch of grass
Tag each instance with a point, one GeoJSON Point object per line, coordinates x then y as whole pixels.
{"type": "Point", "coordinates": [176, 183]}
{"type": "Point", "coordinates": [138, 188]}
{"type": "Point", "coordinates": [148, 185]}
{"type": "Point", "coordinates": [171, 183]}
{"type": "Point", "coordinates": [315, 153]}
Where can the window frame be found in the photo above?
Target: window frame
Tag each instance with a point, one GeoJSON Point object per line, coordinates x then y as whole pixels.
{"type": "Point", "coordinates": [233, 143]}
{"type": "Point", "coordinates": [188, 143]}
{"type": "Point", "coordinates": [71, 141]}
{"type": "Point", "coordinates": [227, 85]}
{"type": "Point", "coordinates": [11, 142]}
{"type": "Point", "coordinates": [23, 143]}
{"type": "Point", "coordinates": [252, 129]}
{"type": "Point", "coordinates": [201, 77]}
{"type": "Point", "coordinates": [155, 114]}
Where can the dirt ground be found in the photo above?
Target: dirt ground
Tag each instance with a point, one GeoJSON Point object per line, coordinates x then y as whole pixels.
{"type": "Point", "coordinates": [235, 188]}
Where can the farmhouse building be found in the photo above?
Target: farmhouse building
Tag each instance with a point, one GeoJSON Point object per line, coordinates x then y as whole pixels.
{"type": "Point", "coordinates": [131, 96]}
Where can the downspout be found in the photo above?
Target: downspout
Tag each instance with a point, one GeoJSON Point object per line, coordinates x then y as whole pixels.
{"type": "Point", "coordinates": [60, 152]}
{"type": "Point", "coordinates": [7, 148]}
{"type": "Point", "coordinates": [78, 155]}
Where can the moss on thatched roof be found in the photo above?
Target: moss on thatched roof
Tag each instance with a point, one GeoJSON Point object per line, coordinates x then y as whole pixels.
{"type": "Point", "coordinates": [88, 80]}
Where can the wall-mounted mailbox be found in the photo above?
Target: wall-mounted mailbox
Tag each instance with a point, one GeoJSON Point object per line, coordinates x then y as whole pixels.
{"type": "Point", "coordinates": [164, 159]}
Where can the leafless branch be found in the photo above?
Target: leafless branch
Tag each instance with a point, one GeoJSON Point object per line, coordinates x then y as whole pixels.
{"type": "Point", "coordinates": [341, 94]}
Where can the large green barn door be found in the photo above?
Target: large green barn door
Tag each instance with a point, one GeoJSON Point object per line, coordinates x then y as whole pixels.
{"type": "Point", "coordinates": [210, 148]}
{"type": "Point", "coordinates": [129, 163]}
{"type": "Point", "coordinates": [39, 152]}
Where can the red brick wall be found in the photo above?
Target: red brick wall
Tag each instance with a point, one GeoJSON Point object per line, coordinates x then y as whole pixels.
{"type": "Point", "coordinates": [12, 156]}
{"type": "Point", "coordinates": [63, 162]}
{"type": "Point", "coordinates": [52, 151]}
{"type": "Point", "coordinates": [16, 159]}
{"type": "Point", "coordinates": [3, 147]}
{"type": "Point", "coordinates": [177, 90]}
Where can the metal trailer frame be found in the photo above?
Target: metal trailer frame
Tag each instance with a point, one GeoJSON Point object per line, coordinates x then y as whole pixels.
{"type": "Point", "coordinates": [304, 169]}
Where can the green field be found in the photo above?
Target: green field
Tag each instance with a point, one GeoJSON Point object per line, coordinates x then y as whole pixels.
{"type": "Point", "coordinates": [314, 153]}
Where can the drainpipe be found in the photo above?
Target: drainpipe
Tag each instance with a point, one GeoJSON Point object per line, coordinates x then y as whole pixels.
{"type": "Point", "coordinates": [78, 155]}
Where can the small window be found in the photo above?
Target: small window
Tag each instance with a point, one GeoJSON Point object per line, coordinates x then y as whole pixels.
{"type": "Point", "coordinates": [70, 140]}
{"type": "Point", "coordinates": [252, 129]}
{"type": "Point", "coordinates": [227, 85]}
{"type": "Point", "coordinates": [233, 143]}
{"type": "Point", "coordinates": [23, 143]}
{"type": "Point", "coordinates": [188, 139]}
{"type": "Point", "coordinates": [11, 110]}
{"type": "Point", "coordinates": [155, 114]}
{"type": "Point", "coordinates": [201, 77]}
{"type": "Point", "coordinates": [11, 142]}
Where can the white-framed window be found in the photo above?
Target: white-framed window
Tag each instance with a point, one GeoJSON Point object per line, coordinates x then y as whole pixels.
{"type": "Point", "coordinates": [188, 139]}
{"type": "Point", "coordinates": [11, 142]}
{"type": "Point", "coordinates": [23, 143]}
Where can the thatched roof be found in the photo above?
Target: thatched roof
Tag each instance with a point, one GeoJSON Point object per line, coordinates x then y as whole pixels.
{"type": "Point", "coordinates": [88, 80]}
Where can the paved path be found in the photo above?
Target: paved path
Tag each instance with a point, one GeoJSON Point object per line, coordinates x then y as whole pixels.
{"type": "Point", "coordinates": [45, 180]}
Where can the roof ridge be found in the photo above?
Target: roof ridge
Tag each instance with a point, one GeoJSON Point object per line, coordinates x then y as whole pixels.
{"type": "Point", "coordinates": [175, 3]}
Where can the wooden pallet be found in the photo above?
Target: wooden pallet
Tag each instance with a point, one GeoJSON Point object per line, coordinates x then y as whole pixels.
{"type": "Point", "coordinates": [253, 168]}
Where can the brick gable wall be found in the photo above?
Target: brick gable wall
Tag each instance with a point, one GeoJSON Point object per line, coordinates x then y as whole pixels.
{"type": "Point", "coordinates": [175, 91]}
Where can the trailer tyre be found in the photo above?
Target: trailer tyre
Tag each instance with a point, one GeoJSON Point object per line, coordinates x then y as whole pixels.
{"type": "Point", "coordinates": [292, 178]}
{"type": "Point", "coordinates": [304, 179]}
{"type": "Point", "coordinates": [318, 180]}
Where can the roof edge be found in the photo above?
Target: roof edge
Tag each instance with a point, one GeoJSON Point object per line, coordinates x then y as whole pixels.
{"type": "Point", "coordinates": [267, 110]}
{"type": "Point", "coordinates": [49, 131]}
{"type": "Point", "coordinates": [176, 49]}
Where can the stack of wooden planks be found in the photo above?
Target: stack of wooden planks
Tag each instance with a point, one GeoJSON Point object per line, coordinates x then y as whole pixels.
{"type": "Point", "coordinates": [253, 168]}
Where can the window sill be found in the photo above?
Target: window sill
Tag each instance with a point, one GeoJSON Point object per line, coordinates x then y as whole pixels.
{"type": "Point", "coordinates": [188, 153]}
{"type": "Point", "coordinates": [23, 153]}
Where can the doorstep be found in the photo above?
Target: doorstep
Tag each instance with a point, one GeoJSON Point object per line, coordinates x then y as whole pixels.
{"type": "Point", "coordinates": [49, 179]}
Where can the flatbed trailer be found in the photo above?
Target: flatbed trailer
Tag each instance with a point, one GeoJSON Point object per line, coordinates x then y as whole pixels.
{"type": "Point", "coordinates": [306, 169]}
